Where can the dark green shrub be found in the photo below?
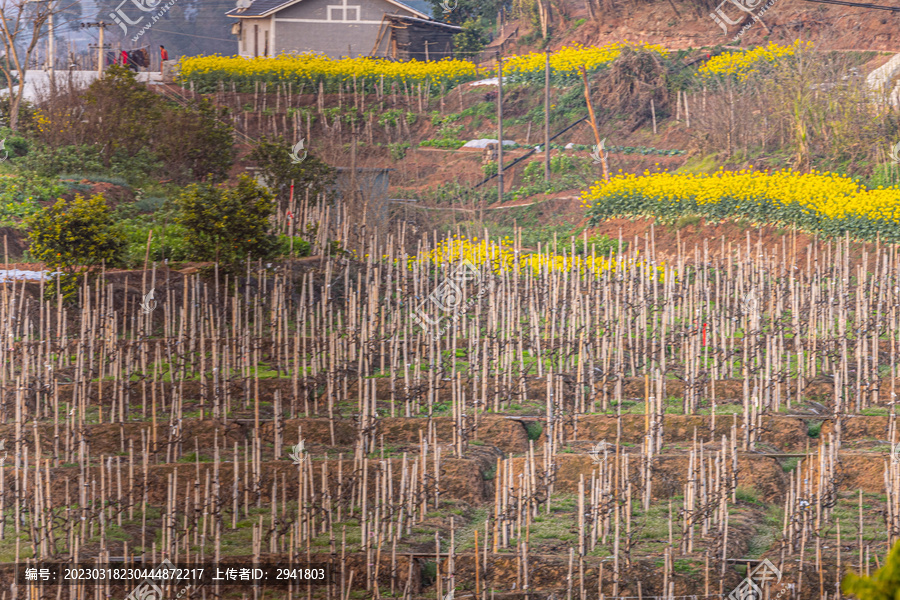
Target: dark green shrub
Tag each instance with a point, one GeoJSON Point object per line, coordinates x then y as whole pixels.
{"type": "Point", "coordinates": [227, 224]}
{"type": "Point", "coordinates": [47, 161]}
{"type": "Point", "coordinates": [814, 428]}
{"type": "Point", "coordinates": [195, 143]}
{"type": "Point", "coordinates": [75, 237]}
{"type": "Point", "coordinates": [883, 584]}
{"type": "Point", "coordinates": [534, 429]}
{"type": "Point", "coordinates": [301, 246]}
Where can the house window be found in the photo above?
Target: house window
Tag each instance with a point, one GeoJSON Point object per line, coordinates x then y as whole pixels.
{"type": "Point", "coordinates": [343, 12]}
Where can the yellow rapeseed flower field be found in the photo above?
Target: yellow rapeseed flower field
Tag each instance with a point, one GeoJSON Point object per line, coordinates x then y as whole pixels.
{"type": "Point", "coordinates": [502, 257]}
{"type": "Point", "coordinates": [308, 69]}
{"type": "Point", "coordinates": [744, 64]}
{"type": "Point", "coordinates": [207, 71]}
{"type": "Point", "coordinates": [567, 61]}
{"type": "Point", "coordinates": [817, 201]}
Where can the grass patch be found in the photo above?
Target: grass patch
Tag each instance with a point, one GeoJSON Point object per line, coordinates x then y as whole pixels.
{"type": "Point", "coordinates": [814, 428]}
{"type": "Point", "coordinates": [685, 566]}
{"type": "Point", "coordinates": [748, 494]}
{"type": "Point", "coordinates": [687, 221]}
{"type": "Point", "coordinates": [790, 464]}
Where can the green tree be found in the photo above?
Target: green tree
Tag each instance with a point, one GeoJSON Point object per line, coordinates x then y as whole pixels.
{"type": "Point", "coordinates": [227, 224]}
{"type": "Point", "coordinates": [196, 144]}
{"type": "Point", "coordinates": [137, 132]}
{"type": "Point", "coordinates": [468, 9]}
{"type": "Point", "coordinates": [471, 41]}
{"type": "Point", "coordinates": [883, 584]}
{"type": "Point", "coordinates": [273, 157]}
{"type": "Point", "coordinates": [75, 237]}
{"type": "Point", "coordinates": [121, 113]}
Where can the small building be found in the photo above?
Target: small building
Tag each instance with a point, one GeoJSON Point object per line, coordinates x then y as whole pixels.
{"type": "Point", "coordinates": [335, 28]}
{"type": "Point", "coordinates": [404, 38]}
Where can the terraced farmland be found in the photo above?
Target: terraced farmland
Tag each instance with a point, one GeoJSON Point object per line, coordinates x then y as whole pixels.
{"type": "Point", "coordinates": [615, 428]}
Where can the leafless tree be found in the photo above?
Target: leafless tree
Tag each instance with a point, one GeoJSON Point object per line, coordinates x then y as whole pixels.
{"type": "Point", "coordinates": [21, 25]}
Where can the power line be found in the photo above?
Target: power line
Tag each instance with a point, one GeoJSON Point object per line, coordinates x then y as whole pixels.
{"type": "Point", "coordinates": [205, 37]}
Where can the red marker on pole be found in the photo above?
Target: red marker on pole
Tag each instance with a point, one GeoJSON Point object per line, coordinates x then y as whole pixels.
{"type": "Point", "coordinates": [291, 204]}
{"type": "Point", "coordinates": [704, 334]}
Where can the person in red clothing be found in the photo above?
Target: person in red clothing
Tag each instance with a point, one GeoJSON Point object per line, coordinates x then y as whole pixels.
{"type": "Point", "coordinates": [163, 56]}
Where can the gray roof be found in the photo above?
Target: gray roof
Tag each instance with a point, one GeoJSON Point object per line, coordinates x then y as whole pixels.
{"type": "Point", "coordinates": [421, 6]}
{"type": "Point", "coordinates": [260, 8]}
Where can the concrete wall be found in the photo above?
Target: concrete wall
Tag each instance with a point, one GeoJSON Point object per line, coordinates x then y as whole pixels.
{"type": "Point", "coordinates": [254, 34]}
{"type": "Point", "coordinates": [335, 28]}
{"type": "Point", "coordinates": [880, 78]}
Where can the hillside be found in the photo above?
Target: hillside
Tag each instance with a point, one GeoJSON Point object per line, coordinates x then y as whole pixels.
{"type": "Point", "coordinates": [287, 313]}
{"type": "Point", "coordinates": [678, 24]}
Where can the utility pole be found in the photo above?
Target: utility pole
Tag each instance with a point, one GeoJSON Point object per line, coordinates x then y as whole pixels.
{"type": "Point", "coordinates": [499, 132]}
{"type": "Point", "coordinates": [50, 55]}
{"type": "Point", "coordinates": [547, 116]}
{"type": "Point", "coordinates": [101, 46]}
{"type": "Point", "coordinates": [100, 57]}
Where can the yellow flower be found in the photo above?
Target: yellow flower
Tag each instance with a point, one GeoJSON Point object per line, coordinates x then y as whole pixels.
{"type": "Point", "coordinates": [502, 258]}
{"type": "Point", "coordinates": [744, 64]}
{"type": "Point", "coordinates": [312, 68]}
{"type": "Point", "coordinates": [811, 200]}
{"type": "Point", "coordinates": [368, 71]}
